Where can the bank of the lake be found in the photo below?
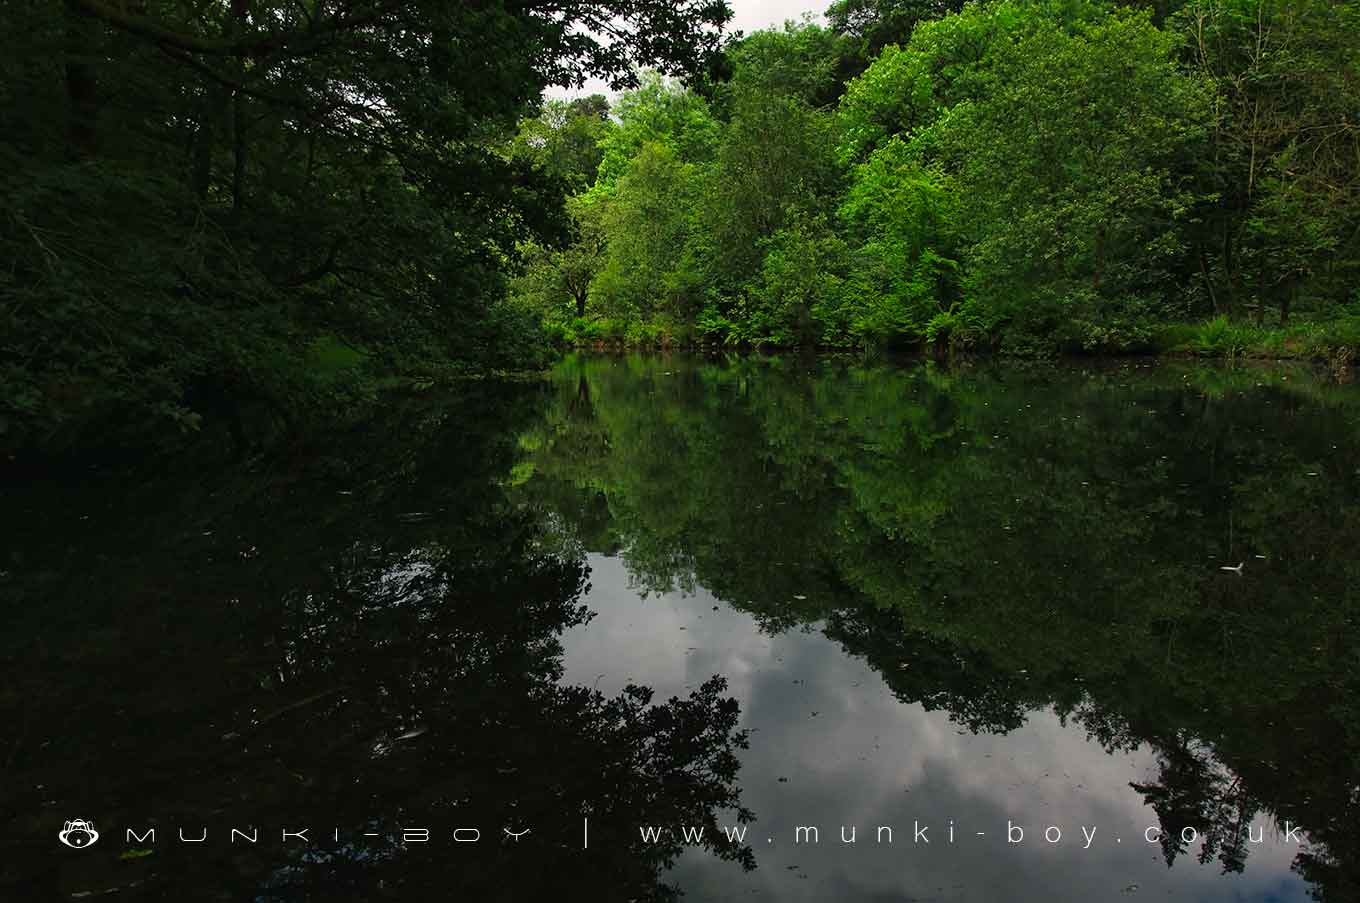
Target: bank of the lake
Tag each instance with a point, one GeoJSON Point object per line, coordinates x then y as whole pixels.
{"type": "Point", "coordinates": [1332, 343]}
{"type": "Point", "coordinates": [349, 390]}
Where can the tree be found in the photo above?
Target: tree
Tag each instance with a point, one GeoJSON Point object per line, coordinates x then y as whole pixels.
{"type": "Point", "coordinates": [902, 219]}
{"type": "Point", "coordinates": [658, 110]}
{"type": "Point", "coordinates": [776, 156]}
{"type": "Point", "coordinates": [649, 220]}
{"type": "Point", "coordinates": [1284, 221]}
{"type": "Point", "coordinates": [875, 24]}
{"type": "Point", "coordinates": [226, 184]}
{"type": "Point", "coordinates": [1074, 169]}
{"type": "Point", "coordinates": [564, 139]}
{"type": "Point", "coordinates": [802, 60]}
{"type": "Point", "coordinates": [797, 289]}
{"type": "Point", "coordinates": [554, 276]}
{"type": "Point", "coordinates": [1069, 135]}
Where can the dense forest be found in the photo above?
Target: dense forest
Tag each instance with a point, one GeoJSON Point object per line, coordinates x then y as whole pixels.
{"type": "Point", "coordinates": [1023, 176]}
{"type": "Point", "coordinates": [262, 212]}
{"type": "Point", "coordinates": [254, 212]}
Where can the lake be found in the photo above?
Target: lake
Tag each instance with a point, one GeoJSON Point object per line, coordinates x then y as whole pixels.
{"type": "Point", "coordinates": [736, 628]}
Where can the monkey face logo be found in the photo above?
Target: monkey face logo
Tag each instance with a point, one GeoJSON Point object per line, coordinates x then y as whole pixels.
{"type": "Point", "coordinates": [78, 834]}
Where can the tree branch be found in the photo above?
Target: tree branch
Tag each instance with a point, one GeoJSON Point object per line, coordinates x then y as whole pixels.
{"type": "Point", "coordinates": [322, 269]}
{"type": "Point", "coordinates": [250, 45]}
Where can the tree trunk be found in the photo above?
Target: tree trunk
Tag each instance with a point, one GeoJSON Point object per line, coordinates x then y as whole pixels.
{"type": "Point", "coordinates": [238, 172]}
{"type": "Point", "coordinates": [204, 140]}
{"type": "Point", "coordinates": [82, 87]}
{"type": "Point", "coordinates": [1208, 280]}
{"type": "Point", "coordinates": [1229, 269]}
{"type": "Point", "coordinates": [241, 15]}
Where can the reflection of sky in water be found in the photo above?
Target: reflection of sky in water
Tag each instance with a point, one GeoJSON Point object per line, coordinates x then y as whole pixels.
{"type": "Point", "coordinates": [866, 760]}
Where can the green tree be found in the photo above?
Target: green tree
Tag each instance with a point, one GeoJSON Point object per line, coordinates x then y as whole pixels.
{"type": "Point", "coordinates": [795, 298]}
{"type": "Point", "coordinates": [776, 160]}
{"type": "Point", "coordinates": [901, 217]}
{"type": "Point", "coordinates": [777, 156]}
{"type": "Point", "coordinates": [556, 281]}
{"type": "Point", "coordinates": [1069, 135]}
{"type": "Point", "coordinates": [649, 220]}
{"type": "Point", "coordinates": [874, 24]}
{"type": "Point", "coordinates": [802, 60]}
{"type": "Point", "coordinates": [657, 110]}
{"type": "Point", "coordinates": [564, 139]}
{"type": "Point", "coordinates": [195, 195]}
{"type": "Point", "coordinates": [1284, 226]}
{"type": "Point", "coordinates": [1073, 167]}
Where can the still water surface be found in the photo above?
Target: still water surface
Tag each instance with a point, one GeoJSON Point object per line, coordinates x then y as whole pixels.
{"type": "Point", "coordinates": [654, 596]}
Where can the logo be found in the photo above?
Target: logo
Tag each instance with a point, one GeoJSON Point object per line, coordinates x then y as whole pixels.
{"type": "Point", "coordinates": [78, 834]}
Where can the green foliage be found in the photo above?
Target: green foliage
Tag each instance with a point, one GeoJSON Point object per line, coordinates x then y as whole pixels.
{"type": "Point", "coordinates": [193, 195]}
{"type": "Point", "coordinates": [556, 282]}
{"type": "Point", "coordinates": [564, 140]}
{"type": "Point", "coordinates": [649, 219]}
{"type": "Point", "coordinates": [796, 295]}
{"type": "Point", "coordinates": [776, 159]}
{"type": "Point", "coordinates": [1064, 131]}
{"type": "Point", "coordinates": [901, 215]}
{"type": "Point", "coordinates": [1335, 340]}
{"type": "Point", "coordinates": [893, 97]}
{"type": "Point", "coordinates": [875, 24]}
{"type": "Point", "coordinates": [1069, 165]}
{"type": "Point", "coordinates": [1282, 225]}
{"type": "Point", "coordinates": [803, 61]}
{"type": "Point", "coordinates": [197, 199]}
{"type": "Point", "coordinates": [659, 110]}
{"type": "Point", "coordinates": [1219, 336]}
{"type": "Point", "coordinates": [1032, 177]}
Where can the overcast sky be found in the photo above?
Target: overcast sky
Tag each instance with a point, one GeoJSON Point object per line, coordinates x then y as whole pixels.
{"type": "Point", "coordinates": [753, 14]}
{"type": "Point", "coordinates": [748, 15]}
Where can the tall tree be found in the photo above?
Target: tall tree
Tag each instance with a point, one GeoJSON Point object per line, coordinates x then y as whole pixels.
{"type": "Point", "coordinates": [228, 182]}
{"type": "Point", "coordinates": [874, 24]}
{"type": "Point", "coordinates": [1284, 165]}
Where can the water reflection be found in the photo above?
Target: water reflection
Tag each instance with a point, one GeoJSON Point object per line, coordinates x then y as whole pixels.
{"type": "Point", "coordinates": [1029, 562]}
{"type": "Point", "coordinates": [365, 653]}
{"type": "Point", "coordinates": [749, 593]}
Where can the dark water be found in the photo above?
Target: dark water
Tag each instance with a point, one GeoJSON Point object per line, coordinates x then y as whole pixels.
{"type": "Point", "coordinates": [683, 594]}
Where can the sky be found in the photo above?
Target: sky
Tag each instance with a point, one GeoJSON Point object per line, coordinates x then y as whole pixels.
{"type": "Point", "coordinates": [752, 14]}
{"type": "Point", "coordinates": [748, 16]}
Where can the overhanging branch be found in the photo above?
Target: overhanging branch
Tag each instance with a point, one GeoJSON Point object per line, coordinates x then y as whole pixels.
{"type": "Point", "coordinates": [251, 45]}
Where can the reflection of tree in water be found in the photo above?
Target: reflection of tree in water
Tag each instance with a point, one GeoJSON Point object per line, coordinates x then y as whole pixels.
{"type": "Point", "coordinates": [369, 650]}
{"type": "Point", "coordinates": [1195, 793]}
{"type": "Point", "coordinates": [999, 544]}
{"type": "Point", "coordinates": [931, 672]}
{"type": "Point", "coordinates": [462, 659]}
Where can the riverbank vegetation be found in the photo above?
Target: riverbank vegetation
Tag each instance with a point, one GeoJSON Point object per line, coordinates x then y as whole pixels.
{"type": "Point", "coordinates": [255, 212]}
{"type": "Point", "coordinates": [1020, 176]}
{"type": "Point", "coordinates": [258, 214]}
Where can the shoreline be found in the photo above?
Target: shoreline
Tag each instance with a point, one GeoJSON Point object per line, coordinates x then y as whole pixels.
{"type": "Point", "coordinates": [265, 431]}
{"type": "Point", "coordinates": [1345, 358]}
